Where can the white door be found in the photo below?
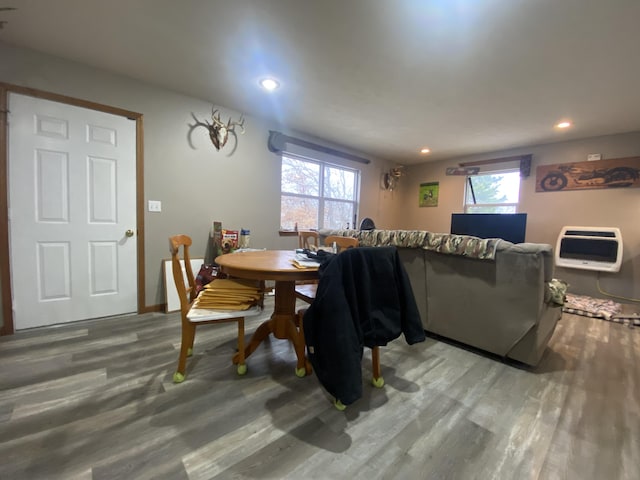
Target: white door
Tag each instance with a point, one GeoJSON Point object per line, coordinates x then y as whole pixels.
{"type": "Point", "coordinates": [72, 198]}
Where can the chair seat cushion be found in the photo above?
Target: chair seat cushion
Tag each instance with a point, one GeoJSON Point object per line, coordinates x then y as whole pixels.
{"type": "Point", "coordinates": [307, 291]}
{"type": "Point", "coordinates": [202, 314]}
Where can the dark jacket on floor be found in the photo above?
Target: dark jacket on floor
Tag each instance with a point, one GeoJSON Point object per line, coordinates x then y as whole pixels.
{"type": "Point", "coordinates": [364, 298]}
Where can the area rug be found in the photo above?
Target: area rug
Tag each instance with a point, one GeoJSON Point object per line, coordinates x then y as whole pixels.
{"type": "Point", "coordinates": [599, 308]}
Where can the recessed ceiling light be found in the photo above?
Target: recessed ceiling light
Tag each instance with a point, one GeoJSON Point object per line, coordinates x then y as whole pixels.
{"type": "Point", "coordinates": [269, 84]}
{"type": "Point", "coordinates": [563, 124]}
{"type": "Point", "coordinates": [425, 150]}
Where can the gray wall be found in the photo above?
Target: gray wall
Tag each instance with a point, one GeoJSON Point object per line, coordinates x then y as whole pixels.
{"type": "Point", "coordinates": [196, 186]}
{"type": "Point", "coordinates": [548, 212]}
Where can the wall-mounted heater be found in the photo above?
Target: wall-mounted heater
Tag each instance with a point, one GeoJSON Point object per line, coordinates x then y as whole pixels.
{"type": "Point", "coordinates": [590, 248]}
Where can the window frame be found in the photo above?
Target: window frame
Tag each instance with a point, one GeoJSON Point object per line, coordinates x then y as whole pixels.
{"type": "Point", "coordinates": [322, 197]}
{"type": "Point", "coordinates": [467, 204]}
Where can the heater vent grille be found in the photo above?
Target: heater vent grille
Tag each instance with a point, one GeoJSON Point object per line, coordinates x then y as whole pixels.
{"type": "Point", "coordinates": [590, 248]}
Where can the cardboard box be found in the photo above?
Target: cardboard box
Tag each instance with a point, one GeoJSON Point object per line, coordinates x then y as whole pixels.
{"type": "Point", "coordinates": [229, 240]}
{"type": "Point", "coordinates": [217, 239]}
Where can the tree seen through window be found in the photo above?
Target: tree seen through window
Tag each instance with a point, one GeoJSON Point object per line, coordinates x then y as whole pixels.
{"type": "Point", "coordinates": [493, 193]}
{"type": "Point", "coordinates": [317, 195]}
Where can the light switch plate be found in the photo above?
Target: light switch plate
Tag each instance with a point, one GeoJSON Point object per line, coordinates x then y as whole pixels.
{"type": "Point", "coordinates": [155, 206]}
{"type": "Point", "coordinates": [592, 157]}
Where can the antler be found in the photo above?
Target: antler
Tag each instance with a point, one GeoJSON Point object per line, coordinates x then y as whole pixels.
{"type": "Point", "coordinates": [219, 123]}
{"type": "Point", "coordinates": [231, 126]}
{"type": "Point", "coordinates": [218, 130]}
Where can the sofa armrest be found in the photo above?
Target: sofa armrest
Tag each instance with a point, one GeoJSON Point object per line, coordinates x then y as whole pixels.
{"type": "Point", "coordinates": [489, 305]}
{"type": "Point", "coordinates": [543, 249]}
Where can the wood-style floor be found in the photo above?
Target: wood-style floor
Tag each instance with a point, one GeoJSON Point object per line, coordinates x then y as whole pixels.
{"type": "Point", "coordinates": [94, 400]}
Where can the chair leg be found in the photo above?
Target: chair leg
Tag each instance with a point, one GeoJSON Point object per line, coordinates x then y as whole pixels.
{"type": "Point", "coordinates": [186, 346]}
{"type": "Point", "coordinates": [191, 332]}
{"type": "Point", "coordinates": [242, 366]}
{"type": "Point", "coordinates": [299, 317]}
{"type": "Point", "coordinates": [377, 379]}
{"type": "Point", "coordinates": [300, 328]}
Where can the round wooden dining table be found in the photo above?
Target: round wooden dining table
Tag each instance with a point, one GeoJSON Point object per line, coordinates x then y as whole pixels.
{"type": "Point", "coordinates": [276, 265]}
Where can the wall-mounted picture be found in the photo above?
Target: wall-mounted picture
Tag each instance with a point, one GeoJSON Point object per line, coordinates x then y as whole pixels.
{"type": "Point", "coordinates": [613, 173]}
{"type": "Point", "coordinates": [429, 194]}
{"type": "Point", "coordinates": [462, 171]}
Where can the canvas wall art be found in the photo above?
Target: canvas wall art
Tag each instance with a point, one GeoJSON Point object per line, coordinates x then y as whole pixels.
{"type": "Point", "coordinates": [429, 194]}
{"type": "Point", "coordinates": [613, 173]}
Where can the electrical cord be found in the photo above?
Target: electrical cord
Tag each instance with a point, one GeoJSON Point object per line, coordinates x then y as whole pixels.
{"type": "Point", "coordinates": [611, 294]}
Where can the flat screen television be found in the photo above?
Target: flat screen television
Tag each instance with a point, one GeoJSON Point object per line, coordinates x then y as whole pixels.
{"type": "Point", "coordinates": [508, 226]}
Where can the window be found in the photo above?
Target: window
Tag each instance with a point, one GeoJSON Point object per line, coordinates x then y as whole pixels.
{"type": "Point", "coordinates": [317, 194]}
{"type": "Point", "coordinates": [494, 192]}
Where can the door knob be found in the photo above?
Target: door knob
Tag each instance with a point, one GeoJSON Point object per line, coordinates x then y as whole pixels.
{"type": "Point", "coordinates": [129, 233]}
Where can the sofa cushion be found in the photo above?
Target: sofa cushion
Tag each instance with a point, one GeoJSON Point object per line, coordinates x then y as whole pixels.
{"type": "Point", "coordinates": [465, 245]}
{"type": "Point", "coordinates": [451, 244]}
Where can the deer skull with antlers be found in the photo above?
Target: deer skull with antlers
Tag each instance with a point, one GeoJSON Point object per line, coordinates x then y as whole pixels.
{"type": "Point", "coordinates": [390, 178]}
{"type": "Point", "coordinates": [219, 131]}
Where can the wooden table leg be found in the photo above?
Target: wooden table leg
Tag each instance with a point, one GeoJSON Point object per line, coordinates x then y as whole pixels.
{"type": "Point", "coordinates": [261, 333]}
{"type": "Point", "coordinates": [282, 324]}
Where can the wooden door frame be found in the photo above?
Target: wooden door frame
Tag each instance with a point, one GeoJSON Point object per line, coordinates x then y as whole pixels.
{"type": "Point", "coordinates": [8, 326]}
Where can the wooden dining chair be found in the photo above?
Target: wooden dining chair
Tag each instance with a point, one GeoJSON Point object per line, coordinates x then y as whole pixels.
{"type": "Point", "coordinates": [353, 307]}
{"type": "Point", "coordinates": [377, 380]}
{"type": "Point", "coordinates": [308, 239]}
{"type": "Point", "coordinates": [341, 242]}
{"type": "Point", "coordinates": [307, 291]}
{"type": "Point", "coordinates": [194, 317]}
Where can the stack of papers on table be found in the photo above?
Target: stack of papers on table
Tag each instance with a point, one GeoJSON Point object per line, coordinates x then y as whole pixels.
{"type": "Point", "coordinates": [229, 294]}
{"type": "Point", "coordinates": [302, 261]}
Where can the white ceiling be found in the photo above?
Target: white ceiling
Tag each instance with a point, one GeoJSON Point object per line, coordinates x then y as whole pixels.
{"type": "Point", "coordinates": [385, 77]}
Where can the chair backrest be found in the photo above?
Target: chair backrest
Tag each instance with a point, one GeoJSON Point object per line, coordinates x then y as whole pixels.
{"type": "Point", "coordinates": [341, 242]}
{"type": "Point", "coordinates": [367, 224]}
{"type": "Point", "coordinates": [186, 292]}
{"type": "Point", "coordinates": [308, 238]}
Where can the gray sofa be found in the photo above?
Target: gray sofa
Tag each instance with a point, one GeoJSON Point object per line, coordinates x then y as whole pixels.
{"type": "Point", "coordinates": [486, 293]}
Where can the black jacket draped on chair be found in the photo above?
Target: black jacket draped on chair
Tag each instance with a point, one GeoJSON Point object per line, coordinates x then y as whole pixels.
{"type": "Point", "coordinates": [364, 298]}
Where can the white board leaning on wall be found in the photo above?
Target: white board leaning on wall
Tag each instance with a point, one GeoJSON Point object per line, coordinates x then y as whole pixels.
{"type": "Point", "coordinates": [170, 292]}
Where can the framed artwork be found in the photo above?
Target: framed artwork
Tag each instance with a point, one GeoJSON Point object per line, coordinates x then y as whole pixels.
{"type": "Point", "coordinates": [429, 194]}
{"type": "Point", "coordinates": [465, 171]}
{"type": "Point", "coordinates": [613, 173]}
